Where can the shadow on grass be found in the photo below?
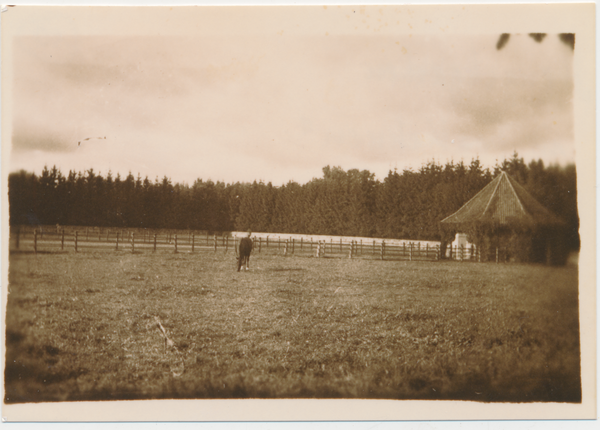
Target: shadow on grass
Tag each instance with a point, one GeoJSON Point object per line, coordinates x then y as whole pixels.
{"type": "Point", "coordinates": [31, 252]}
{"type": "Point", "coordinates": [287, 269]}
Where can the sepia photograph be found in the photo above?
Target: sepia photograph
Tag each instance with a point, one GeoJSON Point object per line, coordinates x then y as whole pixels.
{"type": "Point", "coordinates": [384, 209]}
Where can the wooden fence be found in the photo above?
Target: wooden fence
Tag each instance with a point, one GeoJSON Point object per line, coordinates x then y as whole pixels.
{"type": "Point", "coordinates": [133, 240]}
{"type": "Point", "coordinates": [82, 239]}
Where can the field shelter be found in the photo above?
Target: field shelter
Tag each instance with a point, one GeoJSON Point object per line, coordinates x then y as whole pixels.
{"type": "Point", "coordinates": [505, 222]}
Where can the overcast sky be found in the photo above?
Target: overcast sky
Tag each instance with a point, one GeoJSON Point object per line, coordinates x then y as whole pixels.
{"type": "Point", "coordinates": [262, 100]}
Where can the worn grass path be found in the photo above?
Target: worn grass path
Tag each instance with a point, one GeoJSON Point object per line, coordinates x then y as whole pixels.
{"type": "Point", "coordinates": [83, 326]}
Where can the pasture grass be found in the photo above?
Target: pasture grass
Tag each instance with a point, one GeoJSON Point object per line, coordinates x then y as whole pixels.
{"type": "Point", "coordinates": [83, 327]}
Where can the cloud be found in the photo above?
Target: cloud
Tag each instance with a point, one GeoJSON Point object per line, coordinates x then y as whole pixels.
{"type": "Point", "coordinates": [520, 107]}
{"type": "Point", "coordinates": [27, 139]}
{"type": "Point", "coordinates": [242, 107]}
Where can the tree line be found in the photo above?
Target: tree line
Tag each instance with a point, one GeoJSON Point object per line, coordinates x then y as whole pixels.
{"type": "Point", "coordinates": [405, 205]}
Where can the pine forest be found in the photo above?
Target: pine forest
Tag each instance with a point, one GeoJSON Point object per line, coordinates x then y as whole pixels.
{"type": "Point", "coordinates": [405, 205]}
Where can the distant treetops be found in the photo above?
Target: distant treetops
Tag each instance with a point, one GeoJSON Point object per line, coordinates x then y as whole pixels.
{"type": "Point", "coordinates": [406, 205]}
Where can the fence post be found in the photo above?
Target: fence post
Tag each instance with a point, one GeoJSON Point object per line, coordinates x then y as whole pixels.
{"type": "Point", "coordinates": [215, 239]}
{"type": "Point", "coordinates": [373, 247]}
{"type": "Point", "coordinates": [351, 249]}
{"type": "Point", "coordinates": [293, 245]}
{"type": "Point", "coordinates": [437, 252]}
{"type": "Point", "coordinates": [154, 243]}
{"type": "Point", "coordinates": [478, 251]}
{"type": "Point", "coordinates": [227, 244]}
{"type": "Point", "coordinates": [193, 240]}
{"type": "Point", "coordinates": [460, 253]}
{"type": "Point", "coordinates": [496, 254]}
{"type": "Point", "coordinates": [285, 247]}
{"type": "Point", "coordinates": [132, 242]}
{"type": "Point", "coordinates": [427, 252]}
{"type": "Point", "coordinates": [117, 248]}
{"type": "Point", "coordinates": [35, 241]}
{"type": "Point", "coordinates": [175, 244]}
{"type": "Point", "coordinates": [76, 233]}
{"type": "Point", "coordinates": [411, 252]}
{"type": "Point", "coordinates": [259, 244]}
{"type": "Point", "coordinates": [382, 249]}
{"type": "Point", "coordinates": [62, 240]}
{"type": "Point", "coordinates": [341, 250]}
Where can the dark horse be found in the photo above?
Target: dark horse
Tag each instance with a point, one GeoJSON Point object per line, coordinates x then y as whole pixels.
{"type": "Point", "coordinates": [244, 252]}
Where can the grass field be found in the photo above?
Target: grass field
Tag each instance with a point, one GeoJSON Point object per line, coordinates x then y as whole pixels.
{"type": "Point", "coordinates": [84, 326]}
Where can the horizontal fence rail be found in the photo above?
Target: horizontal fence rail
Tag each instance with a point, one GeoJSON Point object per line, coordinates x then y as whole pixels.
{"type": "Point", "coordinates": [82, 239]}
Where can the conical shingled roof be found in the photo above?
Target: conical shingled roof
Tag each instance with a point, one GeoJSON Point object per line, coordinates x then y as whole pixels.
{"type": "Point", "coordinates": [503, 201]}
